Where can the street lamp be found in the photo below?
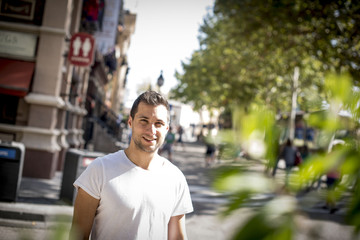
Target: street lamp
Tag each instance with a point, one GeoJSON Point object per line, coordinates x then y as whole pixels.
{"type": "Point", "coordinates": [160, 80]}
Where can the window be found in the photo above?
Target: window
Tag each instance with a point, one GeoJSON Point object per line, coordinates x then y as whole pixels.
{"type": "Point", "coordinates": [8, 108]}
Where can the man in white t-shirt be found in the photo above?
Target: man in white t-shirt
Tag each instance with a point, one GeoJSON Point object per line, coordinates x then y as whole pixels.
{"type": "Point", "coordinates": [134, 193]}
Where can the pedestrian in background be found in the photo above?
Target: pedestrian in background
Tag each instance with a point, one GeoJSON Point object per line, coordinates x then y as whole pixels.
{"type": "Point", "coordinates": [333, 178]}
{"type": "Point", "coordinates": [210, 142]}
{"type": "Point", "coordinates": [169, 142]}
{"type": "Point", "coordinates": [288, 154]}
{"type": "Point", "coordinates": [305, 153]}
{"type": "Point", "coordinates": [134, 193]}
{"type": "Point", "coordinates": [180, 132]}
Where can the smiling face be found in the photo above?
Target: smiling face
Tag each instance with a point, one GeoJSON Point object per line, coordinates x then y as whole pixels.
{"type": "Point", "coordinates": [149, 127]}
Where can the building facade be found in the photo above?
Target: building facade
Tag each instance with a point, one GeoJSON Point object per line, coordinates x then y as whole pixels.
{"type": "Point", "coordinates": [43, 97]}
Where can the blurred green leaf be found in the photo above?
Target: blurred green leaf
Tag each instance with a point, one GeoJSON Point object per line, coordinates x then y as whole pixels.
{"type": "Point", "coordinates": [245, 182]}
{"type": "Point", "coordinates": [339, 88]}
{"type": "Point", "coordinates": [274, 221]}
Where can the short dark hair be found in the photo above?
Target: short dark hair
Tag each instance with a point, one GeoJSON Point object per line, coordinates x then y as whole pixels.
{"type": "Point", "coordinates": [152, 98]}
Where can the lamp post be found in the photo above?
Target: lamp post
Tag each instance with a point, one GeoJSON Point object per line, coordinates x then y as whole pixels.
{"type": "Point", "coordinates": [160, 80]}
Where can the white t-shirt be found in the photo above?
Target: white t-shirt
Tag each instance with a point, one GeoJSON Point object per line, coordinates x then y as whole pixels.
{"type": "Point", "coordinates": [134, 203]}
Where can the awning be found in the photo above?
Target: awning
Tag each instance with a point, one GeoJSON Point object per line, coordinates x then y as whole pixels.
{"type": "Point", "coordinates": [15, 77]}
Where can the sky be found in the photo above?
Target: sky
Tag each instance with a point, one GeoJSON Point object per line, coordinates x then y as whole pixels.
{"type": "Point", "coordinates": [166, 34]}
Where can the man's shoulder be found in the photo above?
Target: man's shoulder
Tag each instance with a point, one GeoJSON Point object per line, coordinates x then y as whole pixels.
{"type": "Point", "coordinates": [172, 168]}
{"type": "Point", "coordinates": [111, 157]}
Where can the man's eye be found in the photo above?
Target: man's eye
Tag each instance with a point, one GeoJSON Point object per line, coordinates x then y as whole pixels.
{"type": "Point", "coordinates": [143, 121]}
{"type": "Point", "coordinates": [159, 124]}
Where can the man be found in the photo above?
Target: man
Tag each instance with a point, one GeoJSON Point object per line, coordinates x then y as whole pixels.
{"type": "Point", "coordinates": [134, 193]}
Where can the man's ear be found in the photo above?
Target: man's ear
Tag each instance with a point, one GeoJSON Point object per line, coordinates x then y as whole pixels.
{"type": "Point", "coordinates": [130, 121]}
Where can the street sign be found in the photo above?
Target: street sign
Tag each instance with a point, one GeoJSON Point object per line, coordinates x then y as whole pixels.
{"type": "Point", "coordinates": [81, 52]}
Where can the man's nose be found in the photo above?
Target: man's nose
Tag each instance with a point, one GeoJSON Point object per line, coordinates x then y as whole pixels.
{"type": "Point", "coordinates": [152, 128]}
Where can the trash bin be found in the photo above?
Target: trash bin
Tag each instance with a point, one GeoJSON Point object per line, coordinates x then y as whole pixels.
{"type": "Point", "coordinates": [11, 166]}
{"type": "Point", "coordinates": [76, 161]}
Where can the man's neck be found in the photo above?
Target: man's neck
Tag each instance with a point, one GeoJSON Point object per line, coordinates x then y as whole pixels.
{"type": "Point", "coordinates": [138, 157]}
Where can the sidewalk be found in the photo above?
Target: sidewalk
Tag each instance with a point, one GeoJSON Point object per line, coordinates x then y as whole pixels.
{"type": "Point", "coordinates": [38, 202]}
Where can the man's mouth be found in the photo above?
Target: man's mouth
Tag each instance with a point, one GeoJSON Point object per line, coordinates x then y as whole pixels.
{"type": "Point", "coordinates": [149, 139]}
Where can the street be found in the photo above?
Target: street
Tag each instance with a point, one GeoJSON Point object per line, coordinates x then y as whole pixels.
{"type": "Point", "coordinates": [204, 223]}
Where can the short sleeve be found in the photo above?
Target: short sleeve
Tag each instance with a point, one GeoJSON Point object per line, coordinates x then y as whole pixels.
{"type": "Point", "coordinates": [92, 179]}
{"type": "Point", "coordinates": [184, 203]}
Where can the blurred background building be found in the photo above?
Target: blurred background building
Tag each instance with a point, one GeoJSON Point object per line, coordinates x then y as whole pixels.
{"type": "Point", "coordinates": [49, 103]}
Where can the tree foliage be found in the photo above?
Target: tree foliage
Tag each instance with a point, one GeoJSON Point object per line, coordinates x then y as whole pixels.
{"type": "Point", "coordinates": [249, 49]}
{"type": "Point", "coordinates": [277, 218]}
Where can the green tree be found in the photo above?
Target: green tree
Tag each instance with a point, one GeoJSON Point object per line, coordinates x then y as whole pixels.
{"type": "Point", "coordinates": [327, 30]}
{"type": "Point", "coordinates": [249, 50]}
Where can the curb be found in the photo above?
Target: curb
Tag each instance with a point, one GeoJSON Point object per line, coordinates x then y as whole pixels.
{"type": "Point", "coordinates": [34, 215]}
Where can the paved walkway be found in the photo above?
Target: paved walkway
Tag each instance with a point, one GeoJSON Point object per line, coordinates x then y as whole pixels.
{"type": "Point", "coordinates": [38, 211]}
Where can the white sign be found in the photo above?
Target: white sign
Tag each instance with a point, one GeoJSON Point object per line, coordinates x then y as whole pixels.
{"type": "Point", "coordinates": [20, 44]}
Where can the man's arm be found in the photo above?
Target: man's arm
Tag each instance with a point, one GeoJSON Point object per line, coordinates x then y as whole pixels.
{"type": "Point", "coordinates": [84, 212]}
{"type": "Point", "coordinates": [176, 228]}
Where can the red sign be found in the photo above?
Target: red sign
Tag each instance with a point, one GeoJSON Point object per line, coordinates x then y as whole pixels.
{"type": "Point", "coordinates": [81, 52]}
